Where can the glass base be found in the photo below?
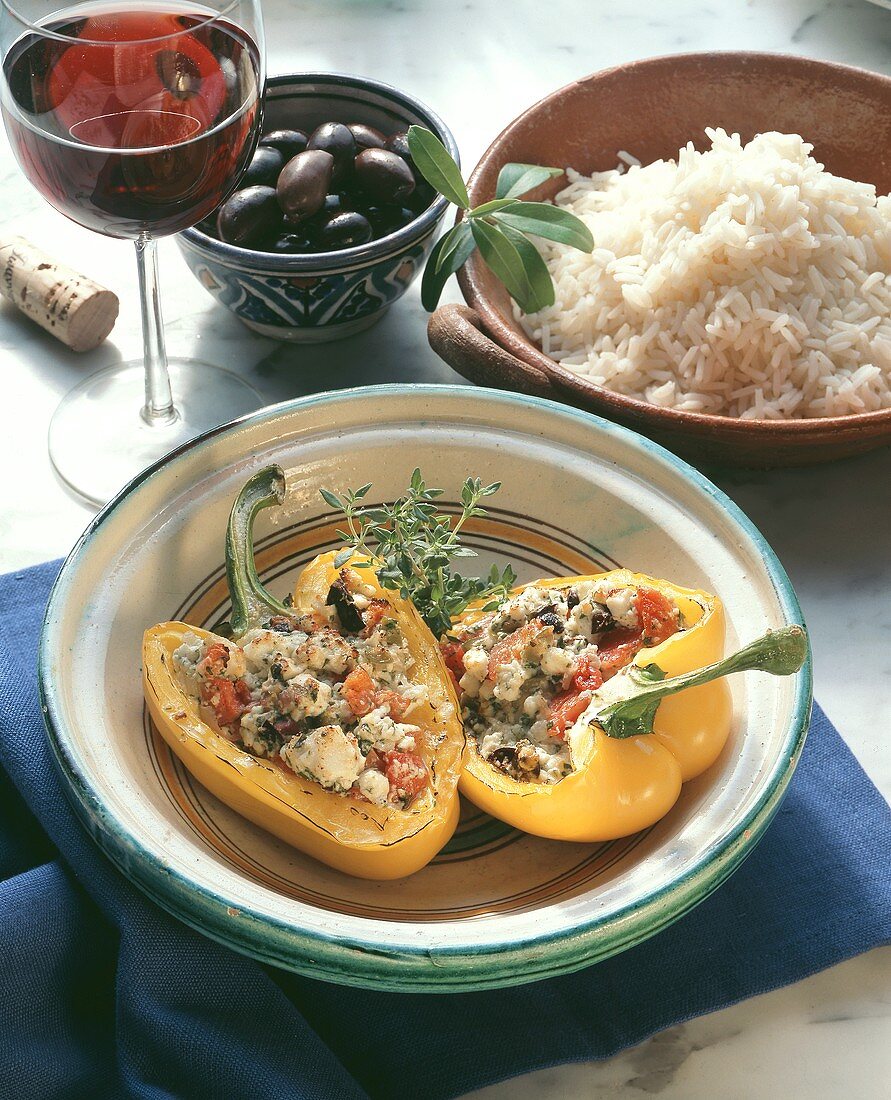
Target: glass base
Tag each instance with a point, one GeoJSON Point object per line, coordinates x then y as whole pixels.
{"type": "Point", "coordinates": [99, 438]}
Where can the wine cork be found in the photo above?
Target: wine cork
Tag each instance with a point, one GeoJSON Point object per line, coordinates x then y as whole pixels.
{"type": "Point", "coordinates": [68, 305]}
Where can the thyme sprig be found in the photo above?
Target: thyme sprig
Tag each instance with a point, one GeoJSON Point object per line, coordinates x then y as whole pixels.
{"type": "Point", "coordinates": [411, 546]}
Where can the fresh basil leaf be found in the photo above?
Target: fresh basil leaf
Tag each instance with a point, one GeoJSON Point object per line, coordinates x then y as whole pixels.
{"type": "Point", "coordinates": [539, 278]}
{"type": "Point", "coordinates": [436, 165]}
{"type": "Point", "coordinates": [503, 258]}
{"type": "Point", "coordinates": [457, 249]}
{"type": "Point", "coordinates": [516, 179]}
{"type": "Point", "coordinates": [544, 220]}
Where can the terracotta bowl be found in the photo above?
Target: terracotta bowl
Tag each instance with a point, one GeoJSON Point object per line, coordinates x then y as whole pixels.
{"type": "Point", "coordinates": [652, 108]}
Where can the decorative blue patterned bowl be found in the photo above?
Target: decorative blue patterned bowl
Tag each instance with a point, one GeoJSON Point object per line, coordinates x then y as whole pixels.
{"type": "Point", "coordinates": [328, 295]}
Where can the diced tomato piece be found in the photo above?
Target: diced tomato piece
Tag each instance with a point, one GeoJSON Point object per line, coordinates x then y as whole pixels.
{"type": "Point", "coordinates": [656, 615]}
{"type": "Point", "coordinates": [406, 773]}
{"type": "Point", "coordinates": [393, 701]}
{"type": "Point", "coordinates": [375, 760]}
{"type": "Point", "coordinates": [566, 708]}
{"type": "Point", "coordinates": [453, 655]}
{"type": "Point", "coordinates": [587, 675]}
{"type": "Point", "coordinates": [359, 692]}
{"type": "Point", "coordinates": [227, 699]}
{"type": "Point", "coordinates": [617, 650]}
{"type": "Point", "coordinates": [373, 614]}
{"type": "Point", "coordinates": [514, 645]}
{"type": "Point", "coordinates": [214, 661]}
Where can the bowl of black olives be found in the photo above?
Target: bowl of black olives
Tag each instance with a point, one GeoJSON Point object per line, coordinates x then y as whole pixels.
{"type": "Point", "coordinates": [331, 221]}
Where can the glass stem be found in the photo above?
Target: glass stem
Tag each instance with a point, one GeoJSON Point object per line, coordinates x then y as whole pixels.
{"type": "Point", "coordinates": [158, 407]}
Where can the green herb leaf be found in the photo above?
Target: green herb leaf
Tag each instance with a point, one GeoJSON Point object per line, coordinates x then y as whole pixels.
{"type": "Point", "coordinates": [541, 285]}
{"type": "Point", "coordinates": [414, 545]}
{"type": "Point", "coordinates": [436, 165]}
{"type": "Point", "coordinates": [330, 499]}
{"type": "Point", "coordinates": [435, 275]}
{"type": "Point", "coordinates": [490, 207]}
{"type": "Point", "coordinates": [548, 221]}
{"type": "Point", "coordinates": [456, 250]}
{"type": "Point", "coordinates": [505, 261]}
{"type": "Point", "coordinates": [517, 179]}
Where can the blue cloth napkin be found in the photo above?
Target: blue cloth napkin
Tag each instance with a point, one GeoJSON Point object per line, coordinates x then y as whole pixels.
{"type": "Point", "coordinates": [103, 994]}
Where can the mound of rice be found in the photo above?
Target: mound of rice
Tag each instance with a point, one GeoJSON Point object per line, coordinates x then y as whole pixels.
{"type": "Point", "coordinates": [745, 280]}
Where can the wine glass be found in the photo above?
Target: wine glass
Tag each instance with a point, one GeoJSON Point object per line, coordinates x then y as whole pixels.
{"type": "Point", "coordinates": [135, 119]}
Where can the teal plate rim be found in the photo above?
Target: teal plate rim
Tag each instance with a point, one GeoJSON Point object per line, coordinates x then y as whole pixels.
{"type": "Point", "coordinates": [419, 969]}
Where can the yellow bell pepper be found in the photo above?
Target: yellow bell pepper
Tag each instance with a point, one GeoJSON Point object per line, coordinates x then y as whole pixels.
{"type": "Point", "coordinates": [361, 838]}
{"type": "Point", "coordinates": [631, 751]}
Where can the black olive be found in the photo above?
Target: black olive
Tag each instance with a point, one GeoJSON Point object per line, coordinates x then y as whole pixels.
{"type": "Point", "coordinates": [288, 142]}
{"type": "Point", "coordinates": [264, 168]}
{"type": "Point", "coordinates": [304, 182]}
{"type": "Point", "coordinates": [572, 599]}
{"type": "Point", "coordinates": [424, 194]}
{"type": "Point", "coordinates": [505, 759]}
{"type": "Point", "coordinates": [398, 144]}
{"type": "Point", "coordinates": [341, 599]}
{"type": "Point", "coordinates": [209, 225]}
{"type": "Point", "coordinates": [248, 216]}
{"type": "Point", "coordinates": [345, 230]}
{"type": "Point", "coordinates": [366, 137]}
{"type": "Point", "coordinates": [336, 139]}
{"type": "Point", "coordinates": [334, 204]}
{"type": "Point", "coordinates": [387, 219]}
{"type": "Point", "coordinates": [601, 618]}
{"type": "Point", "coordinates": [384, 176]}
{"type": "Point", "coordinates": [289, 244]}
{"type": "Point", "coordinates": [548, 618]}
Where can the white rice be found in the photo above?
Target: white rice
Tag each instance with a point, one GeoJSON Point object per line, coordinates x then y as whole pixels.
{"type": "Point", "coordinates": [745, 281]}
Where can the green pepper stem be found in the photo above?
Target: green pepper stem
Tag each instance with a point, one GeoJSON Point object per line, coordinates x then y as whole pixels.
{"type": "Point", "coordinates": [251, 603]}
{"type": "Point", "coordinates": [779, 652]}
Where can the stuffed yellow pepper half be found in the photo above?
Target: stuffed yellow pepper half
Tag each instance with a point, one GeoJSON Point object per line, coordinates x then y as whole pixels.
{"type": "Point", "coordinates": [331, 721]}
{"type": "Point", "coordinates": [588, 701]}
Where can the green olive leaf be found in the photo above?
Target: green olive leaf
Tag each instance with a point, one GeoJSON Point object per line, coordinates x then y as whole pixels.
{"type": "Point", "coordinates": [436, 165]}
{"type": "Point", "coordinates": [502, 256]}
{"type": "Point", "coordinates": [490, 207]}
{"type": "Point", "coordinates": [458, 247]}
{"type": "Point", "coordinates": [544, 220]}
{"type": "Point", "coordinates": [517, 179]}
{"type": "Point", "coordinates": [539, 278]}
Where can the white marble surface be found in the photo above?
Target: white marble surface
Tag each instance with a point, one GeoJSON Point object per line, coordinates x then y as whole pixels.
{"type": "Point", "coordinates": [478, 63]}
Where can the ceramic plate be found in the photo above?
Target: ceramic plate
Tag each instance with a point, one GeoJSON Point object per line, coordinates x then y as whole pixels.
{"type": "Point", "coordinates": [496, 907]}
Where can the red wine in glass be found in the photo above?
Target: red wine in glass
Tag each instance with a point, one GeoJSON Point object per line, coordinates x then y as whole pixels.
{"type": "Point", "coordinates": [135, 121]}
{"type": "Point", "coordinates": [133, 138]}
